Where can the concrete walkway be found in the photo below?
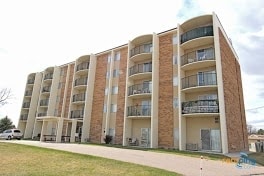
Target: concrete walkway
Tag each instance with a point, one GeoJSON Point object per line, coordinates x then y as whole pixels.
{"type": "Point", "coordinates": [181, 164]}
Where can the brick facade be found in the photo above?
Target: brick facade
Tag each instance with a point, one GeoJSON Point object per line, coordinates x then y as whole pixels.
{"type": "Point", "coordinates": [121, 97]}
{"type": "Point", "coordinates": [233, 96]}
{"type": "Point", "coordinates": [98, 99]}
{"type": "Point", "coordinates": [165, 119]}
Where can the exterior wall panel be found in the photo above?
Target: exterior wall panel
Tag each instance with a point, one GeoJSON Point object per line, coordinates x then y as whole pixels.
{"type": "Point", "coordinates": [165, 121]}
{"type": "Point", "coordinates": [233, 96]}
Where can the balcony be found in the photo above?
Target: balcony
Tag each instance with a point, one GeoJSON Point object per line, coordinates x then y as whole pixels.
{"type": "Point", "coordinates": [24, 117]}
{"type": "Point", "coordinates": [77, 114]}
{"type": "Point", "coordinates": [198, 59]}
{"type": "Point", "coordinates": [44, 102]}
{"type": "Point", "coordinates": [46, 89]}
{"type": "Point", "coordinates": [81, 82]}
{"type": "Point", "coordinates": [139, 111]}
{"type": "Point", "coordinates": [78, 97]}
{"type": "Point", "coordinates": [139, 90]}
{"type": "Point", "coordinates": [42, 114]}
{"type": "Point", "coordinates": [48, 76]}
{"type": "Point", "coordinates": [197, 33]}
{"type": "Point", "coordinates": [141, 71]}
{"type": "Point", "coordinates": [26, 105]}
{"type": "Point", "coordinates": [200, 106]}
{"type": "Point", "coordinates": [82, 66]}
{"type": "Point", "coordinates": [30, 81]}
{"type": "Point", "coordinates": [28, 93]}
{"type": "Point", "coordinates": [141, 49]}
{"type": "Point", "coordinates": [203, 80]}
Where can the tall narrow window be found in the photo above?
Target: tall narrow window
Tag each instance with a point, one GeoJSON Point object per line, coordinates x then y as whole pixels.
{"type": "Point", "coordinates": [115, 73]}
{"type": "Point", "coordinates": [175, 39]}
{"type": "Point", "coordinates": [113, 107]}
{"type": "Point", "coordinates": [109, 58]}
{"type": "Point", "coordinates": [107, 75]}
{"type": "Point", "coordinates": [175, 81]}
{"type": "Point", "coordinates": [114, 90]}
{"type": "Point", "coordinates": [105, 108]}
{"type": "Point", "coordinates": [175, 102]}
{"type": "Point", "coordinates": [106, 91]}
{"type": "Point", "coordinates": [175, 62]}
{"type": "Point", "coordinates": [117, 56]}
{"type": "Point", "coordinates": [111, 132]}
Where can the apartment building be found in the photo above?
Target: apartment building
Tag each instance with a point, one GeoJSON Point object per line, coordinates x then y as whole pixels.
{"type": "Point", "coordinates": [180, 89]}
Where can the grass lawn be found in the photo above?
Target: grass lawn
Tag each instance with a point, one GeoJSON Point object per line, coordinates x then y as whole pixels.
{"type": "Point", "coordinates": [22, 160]}
{"type": "Point", "coordinates": [259, 157]}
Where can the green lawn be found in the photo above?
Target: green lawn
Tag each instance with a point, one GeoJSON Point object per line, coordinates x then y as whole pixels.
{"type": "Point", "coordinates": [22, 160]}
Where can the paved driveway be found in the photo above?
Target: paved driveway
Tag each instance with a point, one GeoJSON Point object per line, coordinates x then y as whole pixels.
{"type": "Point", "coordinates": [181, 164]}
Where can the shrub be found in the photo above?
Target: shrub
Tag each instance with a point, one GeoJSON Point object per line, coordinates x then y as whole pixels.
{"type": "Point", "coordinates": [108, 139]}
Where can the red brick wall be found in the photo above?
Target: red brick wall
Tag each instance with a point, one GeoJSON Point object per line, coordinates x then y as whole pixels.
{"type": "Point", "coordinates": [69, 89]}
{"type": "Point", "coordinates": [165, 119]}
{"type": "Point", "coordinates": [121, 97]}
{"type": "Point", "coordinates": [233, 96]}
{"type": "Point", "coordinates": [98, 99]}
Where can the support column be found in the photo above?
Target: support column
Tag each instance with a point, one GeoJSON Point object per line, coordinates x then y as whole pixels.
{"type": "Point", "coordinates": [73, 130]}
{"type": "Point", "coordinates": [43, 130]}
{"type": "Point", "coordinates": [59, 130]}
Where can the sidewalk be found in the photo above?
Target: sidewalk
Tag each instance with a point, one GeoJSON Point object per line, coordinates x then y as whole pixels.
{"type": "Point", "coordinates": [181, 164]}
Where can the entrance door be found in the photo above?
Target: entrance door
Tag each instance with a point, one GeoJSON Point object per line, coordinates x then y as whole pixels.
{"type": "Point", "coordinates": [216, 140]}
{"type": "Point", "coordinates": [206, 139]}
{"type": "Point", "coordinates": [145, 137]}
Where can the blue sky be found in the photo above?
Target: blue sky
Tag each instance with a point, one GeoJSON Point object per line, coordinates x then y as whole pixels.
{"type": "Point", "coordinates": [37, 34]}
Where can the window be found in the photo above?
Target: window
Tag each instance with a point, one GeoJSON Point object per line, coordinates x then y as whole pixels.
{"type": "Point", "coordinates": [176, 133]}
{"type": "Point", "coordinates": [107, 75]}
{"type": "Point", "coordinates": [115, 73]}
{"type": "Point", "coordinates": [62, 72]}
{"type": "Point", "coordinates": [175, 102]}
{"type": "Point", "coordinates": [109, 58]}
{"type": "Point", "coordinates": [117, 56]}
{"type": "Point", "coordinates": [113, 107]}
{"type": "Point", "coordinates": [57, 98]}
{"type": "Point", "coordinates": [175, 62]}
{"type": "Point", "coordinates": [60, 85]}
{"type": "Point", "coordinates": [114, 90]}
{"type": "Point", "coordinates": [106, 91]}
{"type": "Point", "coordinates": [105, 108]}
{"type": "Point", "coordinates": [111, 132]}
{"type": "Point", "coordinates": [175, 81]}
{"type": "Point", "coordinates": [175, 39]}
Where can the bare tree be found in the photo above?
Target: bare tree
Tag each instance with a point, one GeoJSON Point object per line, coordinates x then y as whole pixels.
{"type": "Point", "coordinates": [5, 95]}
{"type": "Point", "coordinates": [251, 129]}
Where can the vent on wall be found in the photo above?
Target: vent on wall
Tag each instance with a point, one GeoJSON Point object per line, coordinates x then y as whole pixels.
{"type": "Point", "coordinates": [216, 119]}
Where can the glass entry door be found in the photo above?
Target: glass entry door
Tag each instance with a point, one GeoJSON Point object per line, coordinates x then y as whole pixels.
{"type": "Point", "coordinates": [216, 140]}
{"type": "Point", "coordinates": [211, 139]}
{"type": "Point", "coordinates": [145, 137]}
{"type": "Point", "coordinates": [206, 139]}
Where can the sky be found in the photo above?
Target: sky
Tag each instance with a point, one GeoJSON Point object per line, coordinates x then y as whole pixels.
{"type": "Point", "coordinates": [35, 35]}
